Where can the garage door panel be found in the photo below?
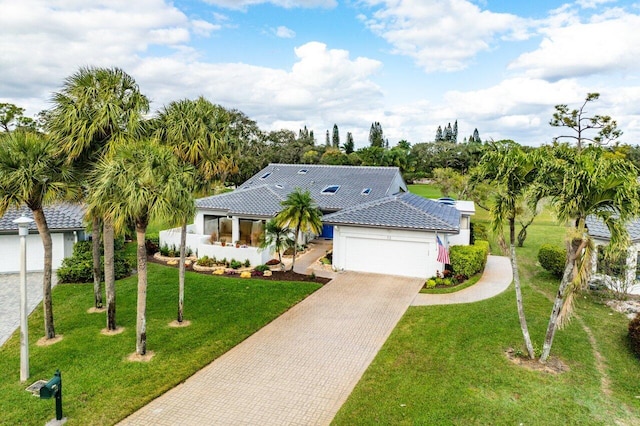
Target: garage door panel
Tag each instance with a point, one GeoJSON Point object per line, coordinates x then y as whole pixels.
{"type": "Point", "coordinates": [397, 257]}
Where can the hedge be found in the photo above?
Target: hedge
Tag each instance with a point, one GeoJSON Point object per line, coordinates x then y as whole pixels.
{"type": "Point", "coordinates": [634, 335]}
{"type": "Point", "coordinates": [79, 267]}
{"type": "Point", "coordinates": [469, 260]}
{"type": "Point", "coordinates": [552, 258]}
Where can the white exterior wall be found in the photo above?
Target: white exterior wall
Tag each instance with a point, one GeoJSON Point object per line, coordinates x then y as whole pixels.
{"type": "Point", "coordinates": [10, 251]}
{"type": "Point", "coordinates": [386, 251]}
{"type": "Point", "coordinates": [200, 246]}
{"type": "Point", "coordinates": [632, 285]}
{"type": "Point", "coordinates": [464, 237]}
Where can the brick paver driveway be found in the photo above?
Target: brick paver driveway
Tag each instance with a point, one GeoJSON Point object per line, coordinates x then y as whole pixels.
{"type": "Point", "coordinates": [299, 369]}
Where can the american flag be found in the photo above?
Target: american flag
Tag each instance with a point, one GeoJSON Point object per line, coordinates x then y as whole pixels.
{"type": "Point", "coordinates": [443, 254]}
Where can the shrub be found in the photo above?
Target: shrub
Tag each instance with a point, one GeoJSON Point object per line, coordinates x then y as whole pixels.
{"type": "Point", "coordinates": [262, 268]}
{"type": "Point", "coordinates": [469, 260]}
{"type": "Point", "coordinates": [235, 264]}
{"type": "Point", "coordinates": [431, 283]}
{"type": "Point", "coordinates": [247, 263]}
{"type": "Point", "coordinates": [164, 250]}
{"type": "Point", "coordinates": [478, 232]}
{"type": "Point", "coordinates": [634, 334]}
{"type": "Point", "coordinates": [151, 246]}
{"type": "Point", "coordinates": [552, 258]}
{"type": "Point", "coordinates": [79, 267]}
{"type": "Point", "coordinates": [206, 261]}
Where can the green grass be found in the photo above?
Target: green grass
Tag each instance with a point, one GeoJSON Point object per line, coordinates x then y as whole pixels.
{"type": "Point", "coordinates": [445, 290]}
{"type": "Point", "coordinates": [445, 365]}
{"type": "Point", "coordinates": [100, 385]}
{"type": "Point", "coordinates": [425, 190]}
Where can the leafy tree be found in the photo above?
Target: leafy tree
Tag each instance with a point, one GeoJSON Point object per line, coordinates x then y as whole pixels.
{"type": "Point", "coordinates": [513, 171]}
{"type": "Point", "coordinates": [454, 138]}
{"type": "Point", "coordinates": [32, 173]}
{"type": "Point", "coordinates": [348, 146]}
{"type": "Point", "coordinates": [371, 156]}
{"type": "Point", "coordinates": [439, 135]}
{"type": "Point", "coordinates": [335, 138]}
{"type": "Point", "coordinates": [334, 157]}
{"type": "Point", "coordinates": [300, 213]}
{"type": "Point", "coordinates": [448, 133]}
{"type": "Point", "coordinates": [311, 157]}
{"type": "Point", "coordinates": [576, 120]}
{"type": "Point", "coordinates": [376, 136]}
{"type": "Point", "coordinates": [278, 237]}
{"type": "Point", "coordinates": [476, 137]}
{"type": "Point", "coordinates": [12, 118]}
{"type": "Point", "coordinates": [142, 181]}
{"type": "Point", "coordinates": [96, 111]}
{"type": "Point", "coordinates": [327, 141]}
{"type": "Point", "coordinates": [579, 184]}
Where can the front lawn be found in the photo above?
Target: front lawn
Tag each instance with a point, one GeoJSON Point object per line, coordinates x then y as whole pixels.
{"type": "Point", "coordinates": [446, 365]}
{"type": "Point", "coordinates": [100, 385]}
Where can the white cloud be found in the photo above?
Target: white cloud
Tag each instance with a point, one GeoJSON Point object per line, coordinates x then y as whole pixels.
{"type": "Point", "coordinates": [606, 43]}
{"type": "Point", "coordinates": [284, 32]}
{"type": "Point", "coordinates": [443, 35]}
{"type": "Point", "coordinates": [244, 4]}
{"type": "Point", "coordinates": [592, 4]}
{"type": "Point", "coordinates": [204, 28]}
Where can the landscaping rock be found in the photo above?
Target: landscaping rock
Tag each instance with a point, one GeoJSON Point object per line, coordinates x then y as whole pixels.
{"type": "Point", "coordinates": [628, 307]}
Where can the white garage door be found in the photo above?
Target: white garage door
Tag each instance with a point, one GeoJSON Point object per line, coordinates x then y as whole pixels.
{"type": "Point", "coordinates": [407, 258]}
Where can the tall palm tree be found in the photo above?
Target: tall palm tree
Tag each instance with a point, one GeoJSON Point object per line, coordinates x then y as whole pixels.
{"type": "Point", "coordinates": [278, 237]}
{"type": "Point", "coordinates": [580, 184]}
{"type": "Point", "coordinates": [140, 182]}
{"type": "Point", "coordinates": [31, 173]}
{"type": "Point", "coordinates": [512, 170]}
{"type": "Point", "coordinates": [95, 111]}
{"type": "Point", "coordinates": [300, 213]}
{"type": "Point", "coordinates": [196, 131]}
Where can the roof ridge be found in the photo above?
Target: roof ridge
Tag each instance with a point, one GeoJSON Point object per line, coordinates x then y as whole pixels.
{"type": "Point", "coordinates": [371, 203]}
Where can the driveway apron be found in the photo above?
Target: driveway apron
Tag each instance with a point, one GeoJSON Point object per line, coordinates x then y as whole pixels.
{"type": "Point", "coordinates": [300, 368]}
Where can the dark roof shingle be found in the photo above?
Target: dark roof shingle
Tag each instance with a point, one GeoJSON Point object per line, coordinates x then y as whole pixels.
{"type": "Point", "coordinates": [60, 216]}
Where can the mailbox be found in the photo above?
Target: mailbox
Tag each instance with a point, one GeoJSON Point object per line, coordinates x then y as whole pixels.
{"type": "Point", "coordinates": [53, 389]}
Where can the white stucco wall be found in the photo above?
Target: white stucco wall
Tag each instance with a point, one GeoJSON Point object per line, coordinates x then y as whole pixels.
{"type": "Point", "coordinates": [386, 251]}
{"type": "Point", "coordinates": [10, 251]}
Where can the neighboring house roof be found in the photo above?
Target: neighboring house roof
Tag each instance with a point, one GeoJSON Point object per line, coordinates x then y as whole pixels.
{"type": "Point", "coordinates": [597, 229]}
{"type": "Point", "coordinates": [255, 201]}
{"type": "Point", "coordinates": [60, 217]}
{"type": "Point", "coordinates": [404, 211]}
{"type": "Point", "coordinates": [353, 183]}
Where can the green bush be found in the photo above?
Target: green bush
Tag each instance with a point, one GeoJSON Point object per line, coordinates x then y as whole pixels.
{"type": "Point", "coordinates": [235, 264]}
{"type": "Point", "coordinates": [634, 334]}
{"type": "Point", "coordinates": [431, 283]}
{"type": "Point", "coordinates": [469, 260]}
{"type": "Point", "coordinates": [552, 258]}
{"type": "Point", "coordinates": [206, 261]}
{"type": "Point", "coordinates": [478, 232]}
{"type": "Point", "coordinates": [262, 268]}
{"type": "Point", "coordinates": [79, 267]}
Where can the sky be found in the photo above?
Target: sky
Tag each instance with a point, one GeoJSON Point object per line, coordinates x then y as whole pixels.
{"type": "Point", "coordinates": [412, 65]}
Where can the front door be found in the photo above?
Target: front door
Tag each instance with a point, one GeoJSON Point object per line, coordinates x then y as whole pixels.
{"type": "Point", "coordinates": [327, 232]}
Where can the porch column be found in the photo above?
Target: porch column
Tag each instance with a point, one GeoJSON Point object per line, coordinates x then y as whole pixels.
{"type": "Point", "coordinates": [235, 229]}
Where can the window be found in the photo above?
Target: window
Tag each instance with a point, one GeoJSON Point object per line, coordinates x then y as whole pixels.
{"type": "Point", "coordinates": [266, 175]}
{"type": "Point", "coordinates": [302, 171]}
{"type": "Point", "coordinates": [366, 191]}
{"type": "Point", "coordinates": [217, 227]}
{"type": "Point", "coordinates": [331, 189]}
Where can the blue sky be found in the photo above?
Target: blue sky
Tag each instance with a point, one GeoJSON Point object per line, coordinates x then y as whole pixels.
{"type": "Point", "coordinates": [499, 66]}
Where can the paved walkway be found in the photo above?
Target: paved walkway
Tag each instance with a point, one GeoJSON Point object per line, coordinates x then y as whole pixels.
{"type": "Point", "coordinates": [10, 300]}
{"type": "Point", "coordinates": [299, 369]}
{"type": "Point", "coordinates": [308, 262]}
{"type": "Point", "coordinates": [496, 278]}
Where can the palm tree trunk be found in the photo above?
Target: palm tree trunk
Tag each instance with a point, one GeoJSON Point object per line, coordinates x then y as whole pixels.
{"type": "Point", "coordinates": [516, 283]}
{"type": "Point", "coordinates": [97, 276]}
{"type": "Point", "coordinates": [295, 247]}
{"type": "Point", "coordinates": [575, 247]}
{"type": "Point", "coordinates": [108, 236]}
{"type": "Point", "coordinates": [47, 302]}
{"type": "Point", "coordinates": [141, 315]}
{"type": "Point", "coordinates": [181, 271]}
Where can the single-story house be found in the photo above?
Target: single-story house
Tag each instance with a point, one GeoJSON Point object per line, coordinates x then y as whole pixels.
{"type": "Point", "coordinates": [630, 282]}
{"type": "Point", "coordinates": [375, 224]}
{"type": "Point", "coordinates": [66, 224]}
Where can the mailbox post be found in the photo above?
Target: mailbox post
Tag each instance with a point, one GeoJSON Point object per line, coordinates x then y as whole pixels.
{"type": "Point", "coordinates": [53, 389]}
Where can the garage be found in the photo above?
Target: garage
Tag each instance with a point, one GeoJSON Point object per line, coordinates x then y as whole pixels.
{"type": "Point", "coordinates": [394, 236]}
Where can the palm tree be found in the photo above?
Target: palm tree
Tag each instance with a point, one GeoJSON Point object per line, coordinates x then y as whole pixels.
{"type": "Point", "coordinates": [141, 182]}
{"type": "Point", "coordinates": [97, 110]}
{"type": "Point", "coordinates": [300, 213]}
{"type": "Point", "coordinates": [513, 171]}
{"type": "Point", "coordinates": [31, 173]}
{"type": "Point", "coordinates": [580, 184]}
{"type": "Point", "coordinates": [278, 237]}
{"type": "Point", "coordinates": [196, 131]}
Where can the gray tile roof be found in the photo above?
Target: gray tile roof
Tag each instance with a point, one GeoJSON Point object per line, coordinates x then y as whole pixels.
{"type": "Point", "coordinates": [597, 229]}
{"type": "Point", "coordinates": [404, 211]}
{"type": "Point", "coordinates": [60, 216]}
{"type": "Point", "coordinates": [285, 178]}
{"type": "Point", "coordinates": [254, 201]}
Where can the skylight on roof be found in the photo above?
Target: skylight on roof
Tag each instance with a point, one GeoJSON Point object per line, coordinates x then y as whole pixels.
{"type": "Point", "coordinates": [279, 186]}
{"type": "Point", "coordinates": [331, 189]}
{"type": "Point", "coordinates": [366, 191]}
{"type": "Point", "coordinates": [302, 171]}
{"type": "Point", "coordinates": [266, 175]}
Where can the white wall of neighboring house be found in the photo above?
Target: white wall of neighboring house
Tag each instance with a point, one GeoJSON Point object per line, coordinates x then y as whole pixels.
{"type": "Point", "coordinates": [386, 251]}
{"type": "Point", "coordinates": [631, 284]}
{"type": "Point", "coordinates": [62, 246]}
